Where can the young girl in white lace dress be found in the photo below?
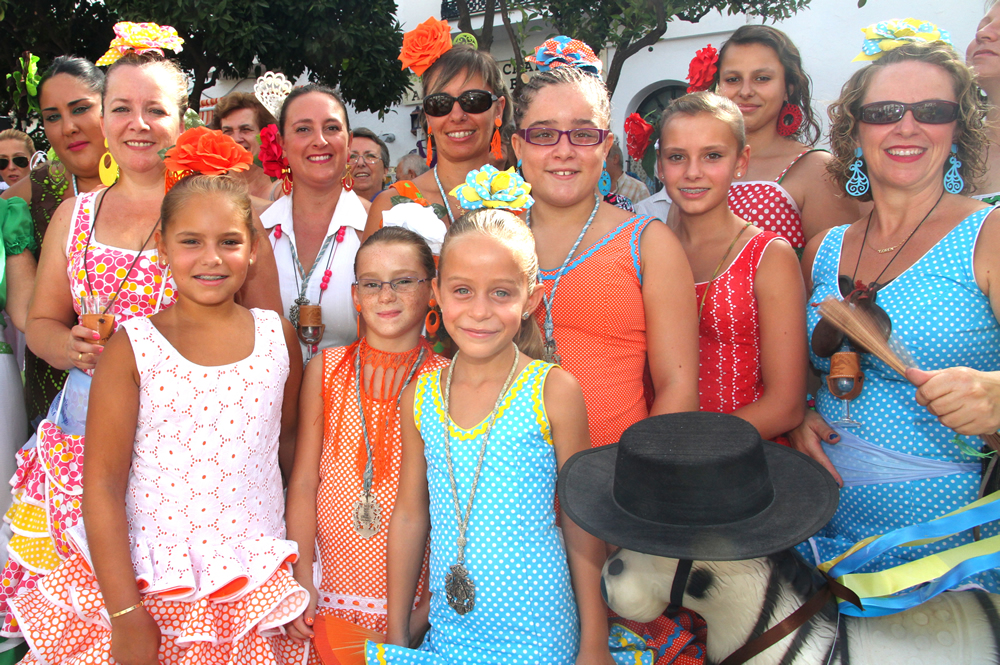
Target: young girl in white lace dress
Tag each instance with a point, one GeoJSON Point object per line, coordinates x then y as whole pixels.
{"type": "Point", "coordinates": [182, 556]}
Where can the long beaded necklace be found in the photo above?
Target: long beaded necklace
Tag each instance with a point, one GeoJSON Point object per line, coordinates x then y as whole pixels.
{"type": "Point", "coordinates": [550, 354]}
{"type": "Point", "coordinates": [444, 197]}
{"type": "Point", "coordinates": [367, 513]}
{"type": "Point", "coordinates": [458, 584]}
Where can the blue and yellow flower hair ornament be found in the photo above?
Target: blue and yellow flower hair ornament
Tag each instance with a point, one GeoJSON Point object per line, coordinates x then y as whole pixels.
{"type": "Point", "coordinates": [563, 51]}
{"type": "Point", "coordinates": [491, 188]}
{"type": "Point", "coordinates": [884, 36]}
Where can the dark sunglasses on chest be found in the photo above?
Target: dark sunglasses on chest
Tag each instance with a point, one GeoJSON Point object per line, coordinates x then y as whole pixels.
{"type": "Point", "coordinates": [472, 101]}
{"type": "Point", "coordinates": [20, 162]}
{"type": "Point", "coordinates": [931, 112]}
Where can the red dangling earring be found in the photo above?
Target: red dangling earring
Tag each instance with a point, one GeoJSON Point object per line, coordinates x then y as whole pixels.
{"type": "Point", "coordinates": [348, 180]}
{"type": "Point", "coordinates": [495, 146]}
{"type": "Point", "coordinates": [430, 149]}
{"type": "Point", "coordinates": [789, 119]}
{"type": "Point", "coordinates": [357, 308]}
{"type": "Point", "coordinates": [286, 180]}
{"type": "Point", "coordinates": [433, 320]}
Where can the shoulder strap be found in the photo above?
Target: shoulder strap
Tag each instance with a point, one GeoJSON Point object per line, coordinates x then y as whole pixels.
{"type": "Point", "coordinates": [801, 155]}
{"type": "Point", "coordinates": [641, 222]}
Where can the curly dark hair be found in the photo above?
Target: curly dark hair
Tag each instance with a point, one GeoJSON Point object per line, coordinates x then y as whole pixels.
{"type": "Point", "coordinates": [798, 85]}
{"type": "Point", "coordinates": [970, 134]}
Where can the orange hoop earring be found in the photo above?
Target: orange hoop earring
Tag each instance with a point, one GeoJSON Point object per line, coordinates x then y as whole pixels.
{"type": "Point", "coordinates": [430, 149]}
{"type": "Point", "coordinates": [357, 308]}
{"type": "Point", "coordinates": [433, 320]}
{"type": "Point", "coordinates": [495, 144]}
{"type": "Point", "coordinates": [286, 180]}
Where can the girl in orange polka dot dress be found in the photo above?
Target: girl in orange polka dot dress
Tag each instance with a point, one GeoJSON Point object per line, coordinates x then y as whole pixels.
{"type": "Point", "coordinates": [181, 556]}
{"type": "Point", "coordinates": [346, 474]}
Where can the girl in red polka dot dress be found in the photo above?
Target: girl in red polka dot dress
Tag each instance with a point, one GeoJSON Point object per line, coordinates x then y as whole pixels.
{"type": "Point", "coordinates": [347, 456]}
{"type": "Point", "coordinates": [181, 556]}
{"type": "Point", "coordinates": [750, 296]}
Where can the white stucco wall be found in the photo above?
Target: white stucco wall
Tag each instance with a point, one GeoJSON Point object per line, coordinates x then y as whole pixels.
{"type": "Point", "coordinates": [828, 35]}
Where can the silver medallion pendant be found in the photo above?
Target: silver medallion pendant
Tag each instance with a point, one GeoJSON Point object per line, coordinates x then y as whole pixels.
{"type": "Point", "coordinates": [460, 589]}
{"type": "Point", "coordinates": [549, 354]}
{"type": "Point", "coordinates": [367, 515]}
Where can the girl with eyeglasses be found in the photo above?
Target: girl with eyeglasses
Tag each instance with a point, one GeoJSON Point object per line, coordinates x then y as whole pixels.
{"type": "Point", "coordinates": [907, 134]}
{"type": "Point", "coordinates": [347, 457]}
{"type": "Point", "coordinates": [465, 104]}
{"type": "Point", "coordinates": [70, 98]}
{"type": "Point", "coordinates": [16, 149]}
{"type": "Point", "coordinates": [617, 306]}
{"type": "Point", "coordinates": [983, 56]}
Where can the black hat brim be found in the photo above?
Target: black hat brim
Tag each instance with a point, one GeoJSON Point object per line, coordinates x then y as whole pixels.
{"type": "Point", "coordinates": [805, 498]}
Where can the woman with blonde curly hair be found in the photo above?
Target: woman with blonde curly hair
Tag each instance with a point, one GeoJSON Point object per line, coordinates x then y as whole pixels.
{"type": "Point", "coordinates": [907, 134]}
{"type": "Point", "coordinates": [983, 55]}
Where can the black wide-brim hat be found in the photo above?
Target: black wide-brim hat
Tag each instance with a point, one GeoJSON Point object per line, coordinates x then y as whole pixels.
{"type": "Point", "coordinates": [700, 486]}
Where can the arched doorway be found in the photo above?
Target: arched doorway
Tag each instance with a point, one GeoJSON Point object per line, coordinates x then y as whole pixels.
{"type": "Point", "coordinates": [650, 108]}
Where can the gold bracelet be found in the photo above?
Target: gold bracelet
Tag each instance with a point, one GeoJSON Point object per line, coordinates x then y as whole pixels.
{"type": "Point", "coordinates": [127, 610]}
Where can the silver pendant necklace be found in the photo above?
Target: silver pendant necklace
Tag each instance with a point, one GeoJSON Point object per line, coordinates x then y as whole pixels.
{"type": "Point", "coordinates": [549, 354]}
{"type": "Point", "coordinates": [458, 584]}
{"type": "Point", "coordinates": [367, 513]}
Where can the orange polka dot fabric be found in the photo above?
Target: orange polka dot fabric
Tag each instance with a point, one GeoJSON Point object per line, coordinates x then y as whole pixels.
{"type": "Point", "coordinates": [600, 329]}
{"type": "Point", "coordinates": [353, 585]}
{"type": "Point", "coordinates": [65, 621]}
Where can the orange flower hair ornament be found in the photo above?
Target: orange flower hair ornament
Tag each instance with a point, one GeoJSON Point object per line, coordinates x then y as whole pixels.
{"type": "Point", "coordinates": [205, 151]}
{"type": "Point", "coordinates": [140, 38]}
{"type": "Point", "coordinates": [423, 45]}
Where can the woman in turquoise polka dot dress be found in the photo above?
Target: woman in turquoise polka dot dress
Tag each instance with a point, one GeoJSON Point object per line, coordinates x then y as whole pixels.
{"type": "Point", "coordinates": [480, 460]}
{"type": "Point", "coordinates": [933, 259]}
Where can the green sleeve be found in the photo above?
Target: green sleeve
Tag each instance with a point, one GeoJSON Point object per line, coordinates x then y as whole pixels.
{"type": "Point", "coordinates": [16, 226]}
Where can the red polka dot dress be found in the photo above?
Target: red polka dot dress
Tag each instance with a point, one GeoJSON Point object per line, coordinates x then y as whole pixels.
{"type": "Point", "coordinates": [205, 513]}
{"type": "Point", "coordinates": [353, 585]}
{"type": "Point", "coordinates": [729, 373]}
{"type": "Point", "coordinates": [47, 487]}
{"type": "Point", "coordinates": [767, 205]}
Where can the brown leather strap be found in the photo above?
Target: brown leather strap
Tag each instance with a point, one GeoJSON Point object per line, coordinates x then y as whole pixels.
{"type": "Point", "coordinates": [793, 621]}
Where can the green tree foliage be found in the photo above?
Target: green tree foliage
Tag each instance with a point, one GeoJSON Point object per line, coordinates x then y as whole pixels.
{"type": "Point", "coordinates": [348, 43]}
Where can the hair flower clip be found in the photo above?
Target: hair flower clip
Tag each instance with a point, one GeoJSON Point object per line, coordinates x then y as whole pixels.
{"type": "Point", "coordinates": [637, 134]}
{"type": "Point", "coordinates": [701, 71]}
{"type": "Point", "coordinates": [885, 36]}
{"type": "Point", "coordinates": [272, 157]}
{"type": "Point", "coordinates": [423, 45]}
{"type": "Point", "coordinates": [140, 38]}
{"type": "Point", "coordinates": [205, 151]}
{"type": "Point", "coordinates": [491, 188]}
{"type": "Point", "coordinates": [563, 51]}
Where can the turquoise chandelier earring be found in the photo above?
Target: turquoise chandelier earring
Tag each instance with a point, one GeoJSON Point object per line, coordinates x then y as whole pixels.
{"type": "Point", "coordinates": [857, 185]}
{"type": "Point", "coordinates": [953, 183]}
{"type": "Point", "coordinates": [604, 184]}
{"type": "Point", "coordinates": [519, 171]}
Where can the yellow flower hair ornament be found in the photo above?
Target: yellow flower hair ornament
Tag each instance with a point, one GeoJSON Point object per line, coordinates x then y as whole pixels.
{"type": "Point", "coordinates": [491, 188]}
{"type": "Point", "coordinates": [140, 38]}
{"type": "Point", "coordinates": [884, 36]}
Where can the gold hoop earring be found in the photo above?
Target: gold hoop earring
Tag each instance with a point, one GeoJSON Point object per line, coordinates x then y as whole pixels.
{"type": "Point", "coordinates": [108, 167]}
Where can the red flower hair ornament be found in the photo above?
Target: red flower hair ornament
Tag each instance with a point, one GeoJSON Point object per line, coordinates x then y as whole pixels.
{"type": "Point", "coordinates": [702, 69]}
{"type": "Point", "coordinates": [637, 134]}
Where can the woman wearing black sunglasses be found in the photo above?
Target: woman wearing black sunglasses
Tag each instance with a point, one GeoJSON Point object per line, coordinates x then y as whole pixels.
{"type": "Point", "coordinates": [16, 149]}
{"type": "Point", "coordinates": [907, 134]}
{"type": "Point", "coordinates": [618, 288]}
{"type": "Point", "coordinates": [465, 104]}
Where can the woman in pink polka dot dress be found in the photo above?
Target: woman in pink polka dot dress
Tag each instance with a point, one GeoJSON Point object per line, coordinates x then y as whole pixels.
{"type": "Point", "coordinates": [99, 243]}
{"type": "Point", "coordinates": [182, 556]}
{"type": "Point", "coordinates": [786, 188]}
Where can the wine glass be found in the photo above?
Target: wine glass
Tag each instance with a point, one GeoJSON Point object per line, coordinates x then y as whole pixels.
{"type": "Point", "coordinates": [845, 382]}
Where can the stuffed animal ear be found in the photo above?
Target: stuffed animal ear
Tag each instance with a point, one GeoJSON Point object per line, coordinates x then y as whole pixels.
{"type": "Point", "coordinates": [637, 586]}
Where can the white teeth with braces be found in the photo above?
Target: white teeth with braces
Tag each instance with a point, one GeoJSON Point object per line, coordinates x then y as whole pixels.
{"type": "Point", "coordinates": [212, 278]}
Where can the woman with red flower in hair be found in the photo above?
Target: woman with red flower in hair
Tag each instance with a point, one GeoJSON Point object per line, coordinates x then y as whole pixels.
{"type": "Point", "coordinates": [786, 188]}
{"type": "Point", "coordinates": [99, 268]}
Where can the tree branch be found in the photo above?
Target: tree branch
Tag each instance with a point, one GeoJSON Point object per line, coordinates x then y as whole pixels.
{"type": "Point", "coordinates": [464, 17]}
{"type": "Point", "coordinates": [518, 56]}
{"type": "Point", "coordinates": [486, 39]}
{"type": "Point", "coordinates": [626, 50]}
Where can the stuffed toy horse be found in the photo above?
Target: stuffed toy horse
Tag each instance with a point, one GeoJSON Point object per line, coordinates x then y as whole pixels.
{"type": "Point", "coordinates": [741, 599]}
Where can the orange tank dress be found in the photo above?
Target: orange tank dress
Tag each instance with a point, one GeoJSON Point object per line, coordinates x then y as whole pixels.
{"type": "Point", "coordinates": [600, 329]}
{"type": "Point", "coordinates": [353, 585]}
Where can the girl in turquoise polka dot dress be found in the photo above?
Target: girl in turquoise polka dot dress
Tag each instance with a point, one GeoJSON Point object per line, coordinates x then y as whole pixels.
{"type": "Point", "coordinates": [482, 443]}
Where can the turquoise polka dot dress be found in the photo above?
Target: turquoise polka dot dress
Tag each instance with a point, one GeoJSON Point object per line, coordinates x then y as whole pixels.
{"type": "Point", "coordinates": [943, 319]}
{"type": "Point", "coordinates": [525, 611]}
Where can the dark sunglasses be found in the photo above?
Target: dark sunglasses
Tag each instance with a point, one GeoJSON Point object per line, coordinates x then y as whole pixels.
{"type": "Point", "coordinates": [931, 112]}
{"type": "Point", "coordinates": [472, 101]}
{"type": "Point", "coordinates": [582, 136]}
{"type": "Point", "coordinates": [20, 162]}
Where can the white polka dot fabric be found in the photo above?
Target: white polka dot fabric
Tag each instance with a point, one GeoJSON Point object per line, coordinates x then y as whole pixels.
{"type": "Point", "coordinates": [525, 612]}
{"type": "Point", "coordinates": [943, 319]}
